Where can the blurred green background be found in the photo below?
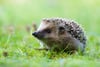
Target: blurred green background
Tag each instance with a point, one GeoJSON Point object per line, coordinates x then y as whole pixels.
{"type": "Point", "coordinates": [16, 27]}
{"type": "Point", "coordinates": [21, 12]}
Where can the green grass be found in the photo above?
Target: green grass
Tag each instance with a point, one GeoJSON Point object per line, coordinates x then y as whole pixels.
{"type": "Point", "coordinates": [17, 44]}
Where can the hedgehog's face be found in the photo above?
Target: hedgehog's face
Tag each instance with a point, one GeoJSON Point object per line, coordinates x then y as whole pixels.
{"type": "Point", "coordinates": [49, 31]}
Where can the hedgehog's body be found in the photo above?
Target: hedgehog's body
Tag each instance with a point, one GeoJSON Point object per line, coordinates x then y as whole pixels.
{"type": "Point", "coordinates": [61, 34]}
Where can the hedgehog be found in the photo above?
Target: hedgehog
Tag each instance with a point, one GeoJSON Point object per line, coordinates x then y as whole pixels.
{"type": "Point", "coordinates": [60, 34]}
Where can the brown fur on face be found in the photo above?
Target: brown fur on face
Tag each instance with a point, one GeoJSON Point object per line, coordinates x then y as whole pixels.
{"type": "Point", "coordinates": [48, 29]}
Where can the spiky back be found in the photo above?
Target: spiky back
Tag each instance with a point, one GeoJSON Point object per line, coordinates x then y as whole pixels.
{"type": "Point", "coordinates": [71, 26]}
{"type": "Point", "coordinates": [76, 31]}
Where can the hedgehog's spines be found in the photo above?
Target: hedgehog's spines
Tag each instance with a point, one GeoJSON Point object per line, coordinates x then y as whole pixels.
{"type": "Point", "coordinates": [72, 27]}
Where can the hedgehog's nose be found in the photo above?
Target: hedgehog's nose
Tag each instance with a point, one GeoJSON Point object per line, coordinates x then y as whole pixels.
{"type": "Point", "coordinates": [38, 35]}
{"type": "Point", "coordinates": [35, 34]}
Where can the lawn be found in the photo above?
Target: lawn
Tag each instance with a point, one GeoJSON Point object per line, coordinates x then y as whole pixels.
{"type": "Point", "coordinates": [16, 26]}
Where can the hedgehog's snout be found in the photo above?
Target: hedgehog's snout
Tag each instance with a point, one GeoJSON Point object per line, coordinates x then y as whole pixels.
{"type": "Point", "coordinates": [34, 34]}
{"type": "Point", "coordinates": [38, 35]}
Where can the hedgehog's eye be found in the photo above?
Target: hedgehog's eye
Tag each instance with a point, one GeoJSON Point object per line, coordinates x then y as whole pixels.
{"type": "Point", "coordinates": [61, 30]}
{"type": "Point", "coordinates": [48, 31]}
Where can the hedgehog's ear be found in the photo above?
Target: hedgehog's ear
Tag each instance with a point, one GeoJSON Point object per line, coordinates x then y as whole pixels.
{"type": "Point", "coordinates": [61, 30]}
